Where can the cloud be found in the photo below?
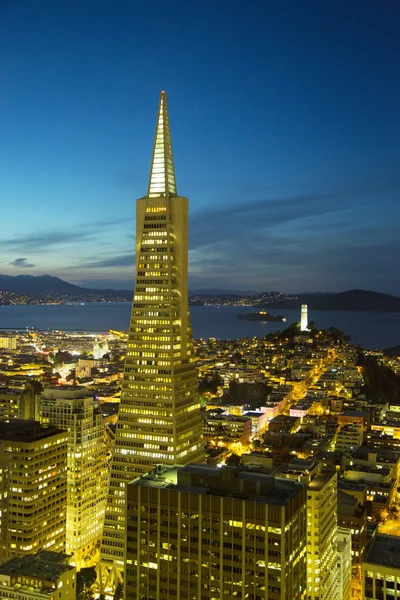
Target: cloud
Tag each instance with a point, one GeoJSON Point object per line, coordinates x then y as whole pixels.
{"type": "Point", "coordinates": [46, 240]}
{"type": "Point", "coordinates": [122, 260]}
{"type": "Point", "coordinates": [21, 263]}
{"type": "Point", "coordinates": [303, 243]}
{"type": "Point", "coordinates": [243, 219]}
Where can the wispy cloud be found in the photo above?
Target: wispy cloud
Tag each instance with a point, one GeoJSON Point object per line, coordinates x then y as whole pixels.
{"type": "Point", "coordinates": [122, 260]}
{"type": "Point", "coordinates": [21, 263]}
{"type": "Point", "coordinates": [46, 240]}
{"type": "Point", "coordinates": [243, 219]}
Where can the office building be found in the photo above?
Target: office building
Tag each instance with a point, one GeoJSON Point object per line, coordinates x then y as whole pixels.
{"type": "Point", "coordinates": [42, 576]}
{"type": "Point", "coordinates": [37, 490]}
{"type": "Point", "coordinates": [8, 342]}
{"type": "Point", "coordinates": [203, 532]}
{"type": "Point", "coordinates": [71, 408]}
{"type": "Point", "coordinates": [343, 584]}
{"type": "Point", "coordinates": [4, 485]}
{"type": "Point", "coordinates": [321, 525]}
{"type": "Point", "coordinates": [159, 415]}
{"type": "Point", "coordinates": [352, 516]}
{"type": "Point", "coordinates": [18, 403]}
{"type": "Point", "coordinates": [381, 569]}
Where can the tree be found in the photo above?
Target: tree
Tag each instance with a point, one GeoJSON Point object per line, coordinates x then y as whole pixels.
{"type": "Point", "coordinates": [119, 592]}
{"type": "Point", "coordinates": [85, 579]}
{"type": "Point", "coordinates": [233, 460]}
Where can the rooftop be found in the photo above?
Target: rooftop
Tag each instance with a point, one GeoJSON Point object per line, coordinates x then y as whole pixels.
{"type": "Point", "coordinates": [247, 483]}
{"type": "Point", "coordinates": [384, 551]}
{"type": "Point", "coordinates": [45, 566]}
{"type": "Point", "coordinates": [19, 430]}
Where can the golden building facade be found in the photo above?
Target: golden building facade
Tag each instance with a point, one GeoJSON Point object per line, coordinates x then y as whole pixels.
{"type": "Point", "coordinates": [203, 533]}
{"type": "Point", "coordinates": [321, 525]}
{"type": "Point", "coordinates": [70, 408]}
{"type": "Point", "coordinates": [37, 487]}
{"type": "Point", "coordinates": [159, 416]}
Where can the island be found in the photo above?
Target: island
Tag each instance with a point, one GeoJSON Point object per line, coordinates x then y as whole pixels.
{"type": "Point", "coordinates": [262, 316]}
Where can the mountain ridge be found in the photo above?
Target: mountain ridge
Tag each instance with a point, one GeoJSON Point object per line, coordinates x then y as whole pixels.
{"type": "Point", "coordinates": [50, 288]}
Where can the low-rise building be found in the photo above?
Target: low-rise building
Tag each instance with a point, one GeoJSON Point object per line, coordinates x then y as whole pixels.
{"type": "Point", "coordinates": [41, 576]}
{"type": "Point", "coordinates": [349, 437]}
{"type": "Point", "coordinates": [381, 569]}
{"type": "Point", "coordinates": [352, 416]}
{"type": "Point", "coordinates": [227, 428]}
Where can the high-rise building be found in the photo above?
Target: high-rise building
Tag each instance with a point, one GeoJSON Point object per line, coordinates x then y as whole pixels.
{"type": "Point", "coordinates": [159, 416]}
{"type": "Point", "coordinates": [8, 342]}
{"type": "Point", "coordinates": [343, 583]}
{"type": "Point", "coordinates": [321, 525]}
{"type": "Point", "coordinates": [4, 485]}
{"type": "Point", "coordinates": [381, 569]}
{"type": "Point", "coordinates": [201, 533]}
{"type": "Point", "coordinates": [71, 408]}
{"type": "Point", "coordinates": [18, 403]}
{"type": "Point", "coordinates": [37, 490]}
{"type": "Point", "coordinates": [304, 318]}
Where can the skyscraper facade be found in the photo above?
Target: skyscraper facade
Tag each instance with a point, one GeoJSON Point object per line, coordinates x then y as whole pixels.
{"type": "Point", "coordinates": [72, 408]}
{"type": "Point", "coordinates": [321, 525]}
{"type": "Point", "coordinates": [201, 532]}
{"type": "Point", "coordinates": [159, 416]}
{"type": "Point", "coordinates": [37, 490]}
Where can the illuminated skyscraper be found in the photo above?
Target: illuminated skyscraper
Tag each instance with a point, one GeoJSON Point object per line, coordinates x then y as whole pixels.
{"type": "Point", "coordinates": [321, 525]}
{"type": "Point", "coordinates": [37, 486]}
{"type": "Point", "coordinates": [72, 408]}
{"type": "Point", "coordinates": [4, 485]}
{"type": "Point", "coordinates": [159, 417]}
{"type": "Point", "coordinates": [206, 533]}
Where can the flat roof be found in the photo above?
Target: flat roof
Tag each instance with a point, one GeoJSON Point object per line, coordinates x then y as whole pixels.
{"type": "Point", "coordinates": [384, 551]}
{"type": "Point", "coordinates": [45, 568]}
{"type": "Point", "coordinates": [276, 491]}
{"type": "Point", "coordinates": [19, 430]}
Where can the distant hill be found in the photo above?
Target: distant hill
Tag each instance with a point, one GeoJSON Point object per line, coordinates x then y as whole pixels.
{"type": "Point", "coordinates": [394, 351]}
{"type": "Point", "coordinates": [220, 292]}
{"type": "Point", "coordinates": [353, 300]}
{"type": "Point", "coordinates": [47, 287]}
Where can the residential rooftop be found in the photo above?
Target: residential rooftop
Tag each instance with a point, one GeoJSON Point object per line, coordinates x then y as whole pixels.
{"type": "Point", "coordinates": [384, 551]}
{"type": "Point", "coordinates": [19, 430]}
{"type": "Point", "coordinates": [45, 566]}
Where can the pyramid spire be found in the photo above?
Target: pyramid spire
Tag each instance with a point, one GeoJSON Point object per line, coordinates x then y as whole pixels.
{"type": "Point", "coordinates": [162, 173]}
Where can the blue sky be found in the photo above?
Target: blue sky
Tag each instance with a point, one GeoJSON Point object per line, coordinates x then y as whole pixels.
{"type": "Point", "coordinates": [285, 130]}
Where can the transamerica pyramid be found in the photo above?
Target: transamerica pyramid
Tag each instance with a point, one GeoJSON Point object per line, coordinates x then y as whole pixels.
{"type": "Point", "coordinates": [159, 415]}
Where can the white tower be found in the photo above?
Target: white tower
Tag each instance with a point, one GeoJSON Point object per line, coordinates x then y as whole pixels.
{"type": "Point", "coordinates": [304, 318]}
